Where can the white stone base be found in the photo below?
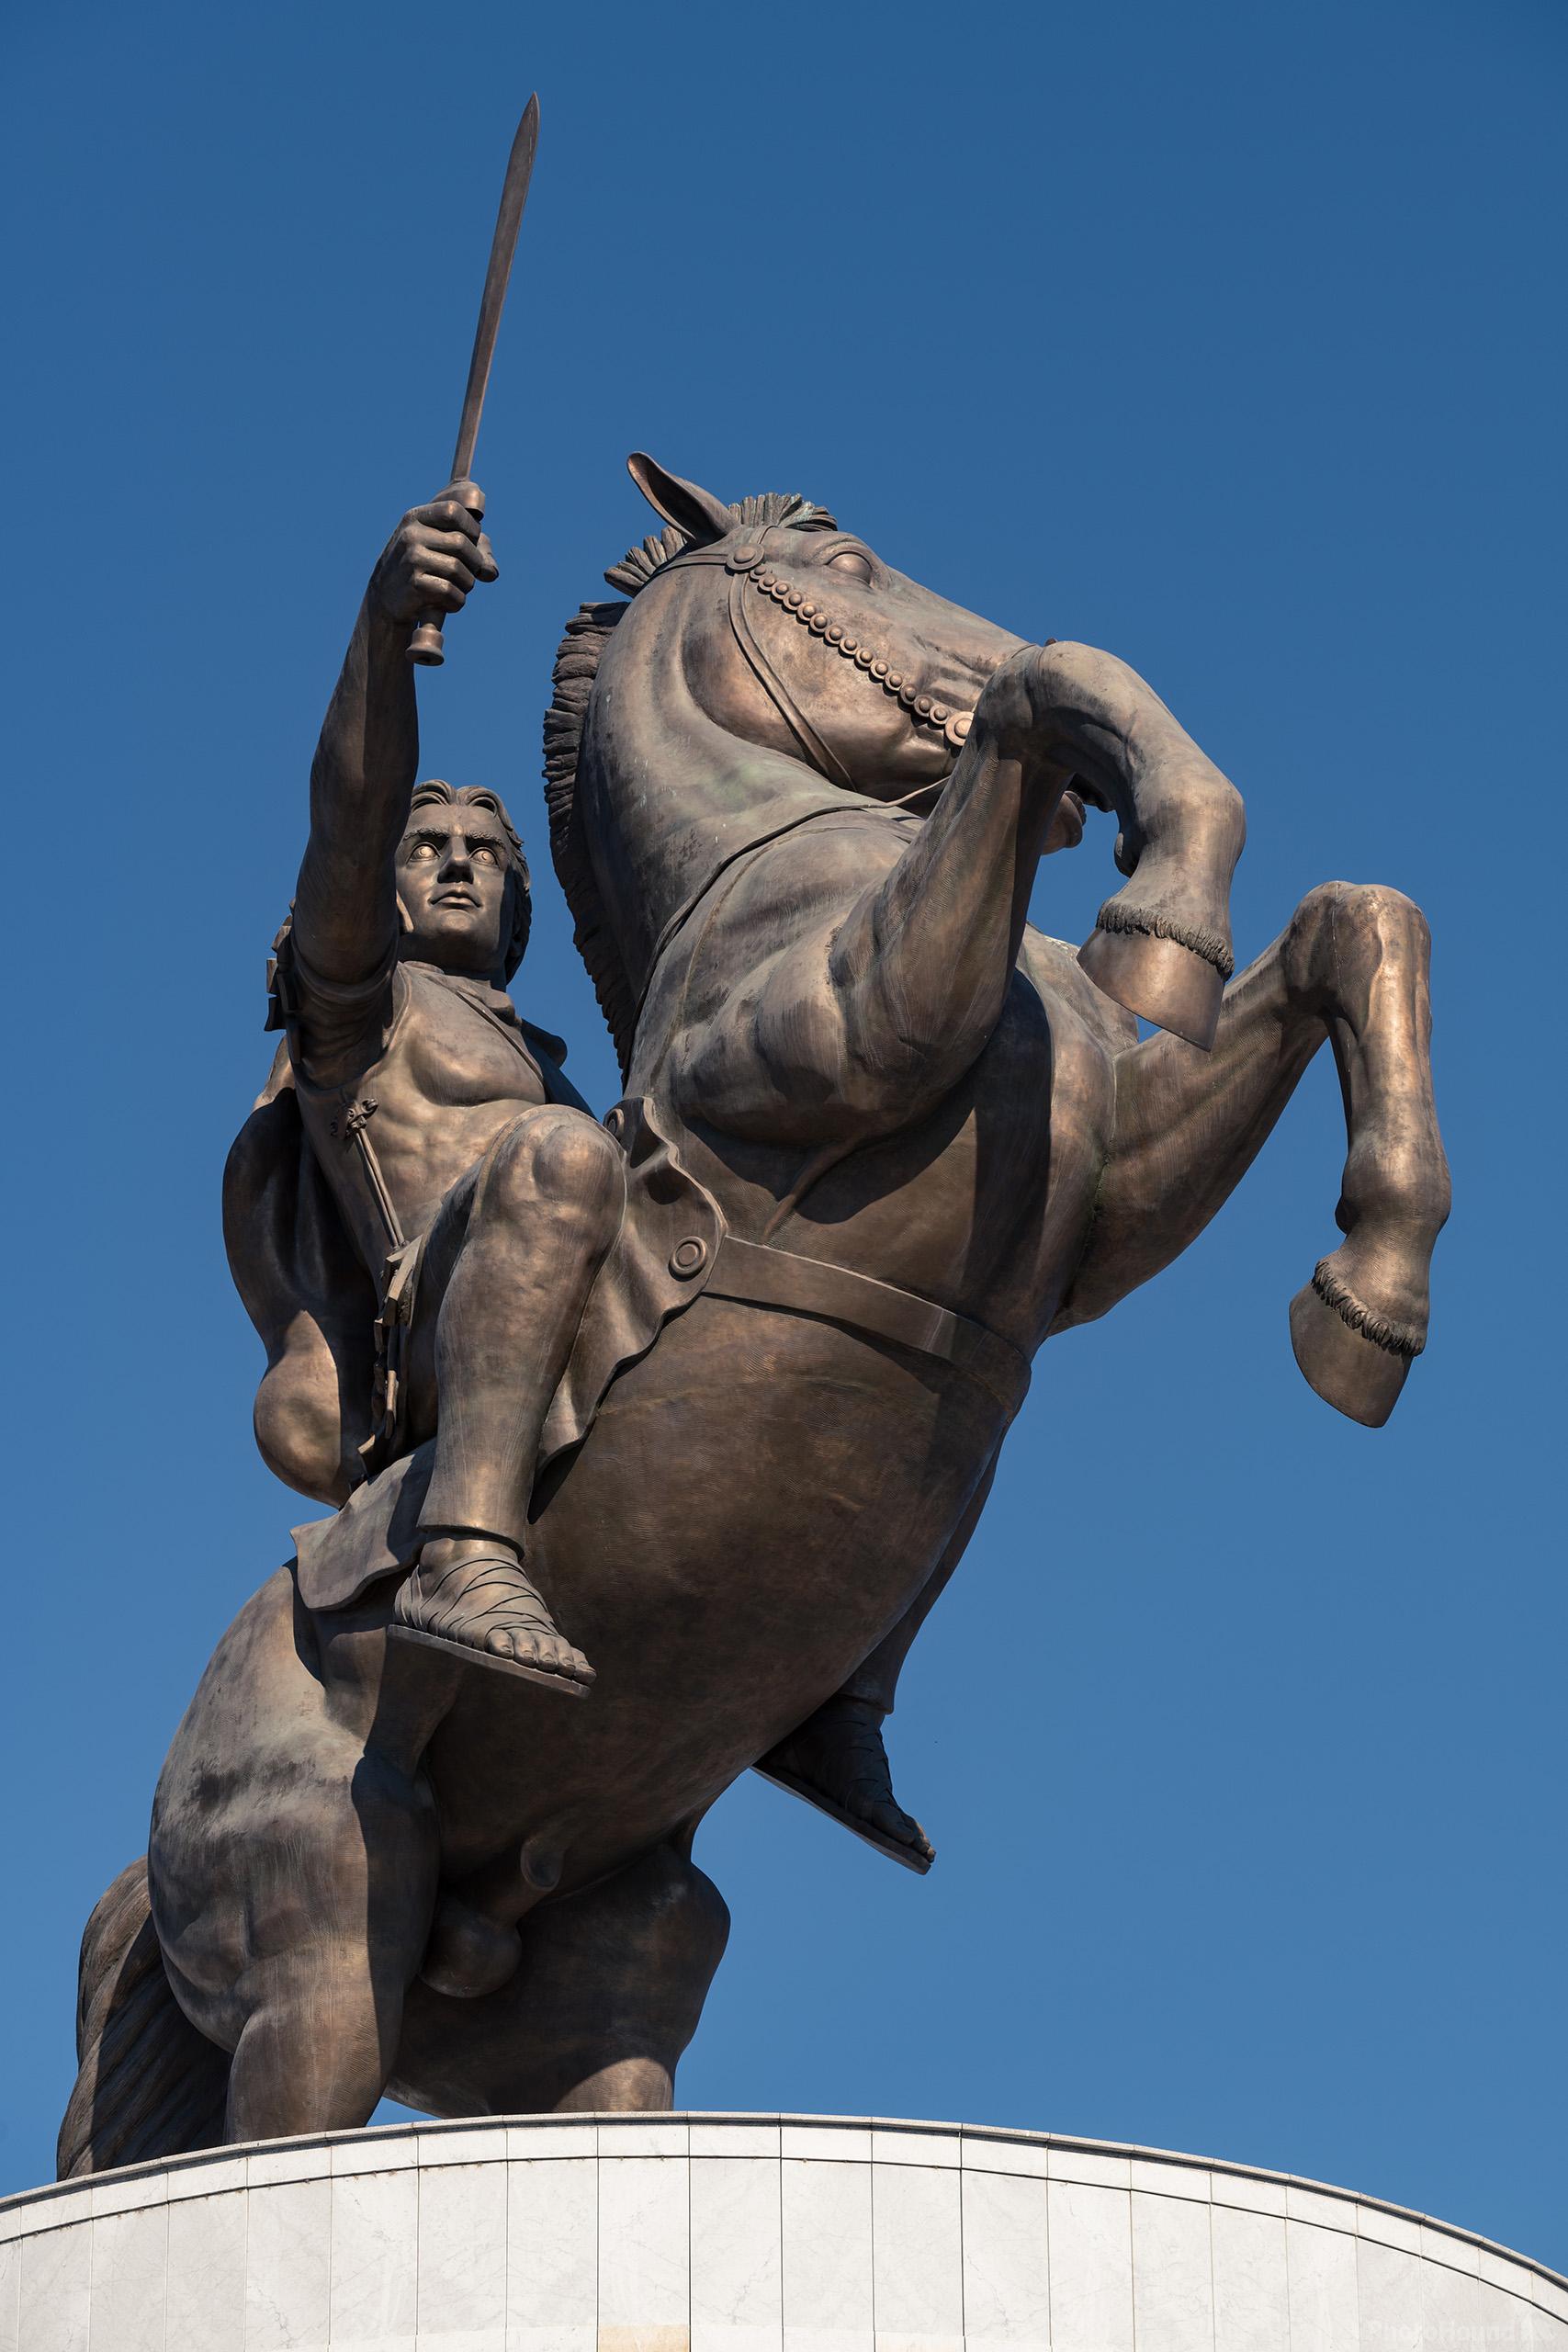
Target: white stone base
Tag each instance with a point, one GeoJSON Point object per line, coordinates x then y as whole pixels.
{"type": "Point", "coordinates": [741, 2233]}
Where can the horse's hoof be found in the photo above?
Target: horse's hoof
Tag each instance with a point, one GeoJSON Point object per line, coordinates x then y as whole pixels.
{"type": "Point", "coordinates": [1159, 979]}
{"type": "Point", "coordinates": [1359, 1375]}
{"type": "Point", "coordinates": [468, 1954]}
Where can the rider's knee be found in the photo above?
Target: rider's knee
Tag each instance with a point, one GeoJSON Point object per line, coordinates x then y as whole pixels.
{"type": "Point", "coordinates": [556, 1157]}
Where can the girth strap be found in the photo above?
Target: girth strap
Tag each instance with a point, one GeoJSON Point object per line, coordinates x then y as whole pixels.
{"type": "Point", "coordinates": [759, 1276]}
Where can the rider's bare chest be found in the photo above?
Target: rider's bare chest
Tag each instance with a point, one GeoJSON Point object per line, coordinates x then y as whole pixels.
{"type": "Point", "coordinates": [450, 1079]}
{"type": "Point", "coordinates": [449, 1056]}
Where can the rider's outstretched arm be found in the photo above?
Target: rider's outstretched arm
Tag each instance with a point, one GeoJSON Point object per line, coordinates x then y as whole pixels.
{"type": "Point", "coordinates": [366, 761]}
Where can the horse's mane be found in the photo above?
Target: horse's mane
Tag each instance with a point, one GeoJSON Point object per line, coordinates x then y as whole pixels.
{"type": "Point", "coordinates": [577, 664]}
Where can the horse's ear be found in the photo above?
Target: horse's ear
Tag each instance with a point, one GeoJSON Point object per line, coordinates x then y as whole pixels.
{"type": "Point", "coordinates": [692, 509]}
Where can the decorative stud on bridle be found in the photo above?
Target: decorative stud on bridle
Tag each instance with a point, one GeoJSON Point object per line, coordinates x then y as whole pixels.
{"type": "Point", "coordinates": [751, 563]}
{"type": "Point", "coordinates": [748, 564]}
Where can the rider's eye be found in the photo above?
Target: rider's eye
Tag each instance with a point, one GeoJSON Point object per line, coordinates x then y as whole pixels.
{"type": "Point", "coordinates": [422, 850]}
{"type": "Point", "coordinates": [851, 560]}
{"type": "Point", "coordinates": [484, 854]}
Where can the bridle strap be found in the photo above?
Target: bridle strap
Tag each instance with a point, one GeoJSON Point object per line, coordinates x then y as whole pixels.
{"type": "Point", "coordinates": [817, 753]}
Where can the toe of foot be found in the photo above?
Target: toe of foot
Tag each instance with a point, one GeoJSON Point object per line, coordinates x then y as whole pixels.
{"type": "Point", "coordinates": [543, 1653]}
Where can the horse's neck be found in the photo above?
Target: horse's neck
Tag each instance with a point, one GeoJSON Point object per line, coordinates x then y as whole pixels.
{"type": "Point", "coordinates": [674, 800]}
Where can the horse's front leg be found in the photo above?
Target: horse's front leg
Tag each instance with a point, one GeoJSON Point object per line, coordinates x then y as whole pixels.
{"type": "Point", "coordinates": [1161, 945]}
{"type": "Point", "coordinates": [1351, 967]}
{"type": "Point", "coordinates": [850, 1031]}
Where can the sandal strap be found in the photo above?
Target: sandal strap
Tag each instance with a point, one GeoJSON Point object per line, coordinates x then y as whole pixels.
{"type": "Point", "coordinates": [493, 1589]}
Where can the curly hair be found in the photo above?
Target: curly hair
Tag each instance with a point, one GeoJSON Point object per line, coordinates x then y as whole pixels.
{"type": "Point", "coordinates": [435, 792]}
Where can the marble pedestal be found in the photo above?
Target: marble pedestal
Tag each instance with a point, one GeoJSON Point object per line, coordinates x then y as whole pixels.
{"type": "Point", "coordinates": [741, 2233]}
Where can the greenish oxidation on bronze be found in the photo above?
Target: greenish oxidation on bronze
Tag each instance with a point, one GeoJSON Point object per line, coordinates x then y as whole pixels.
{"type": "Point", "coordinates": [647, 1443]}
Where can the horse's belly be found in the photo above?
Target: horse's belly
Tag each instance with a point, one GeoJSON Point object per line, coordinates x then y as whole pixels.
{"type": "Point", "coordinates": [760, 1500]}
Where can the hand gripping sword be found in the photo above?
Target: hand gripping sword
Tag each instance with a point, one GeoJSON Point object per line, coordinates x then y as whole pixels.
{"type": "Point", "coordinates": [426, 645]}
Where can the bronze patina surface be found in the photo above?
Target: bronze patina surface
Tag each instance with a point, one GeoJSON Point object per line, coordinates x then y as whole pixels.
{"type": "Point", "coordinates": [426, 646]}
{"type": "Point", "coordinates": [686, 1415]}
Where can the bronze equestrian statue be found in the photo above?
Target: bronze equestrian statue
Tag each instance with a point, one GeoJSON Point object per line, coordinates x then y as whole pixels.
{"type": "Point", "coordinates": [403, 1140]}
{"type": "Point", "coordinates": [741, 1360]}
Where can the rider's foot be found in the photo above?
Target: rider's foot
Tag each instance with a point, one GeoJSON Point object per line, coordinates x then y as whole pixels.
{"type": "Point", "coordinates": [837, 1761]}
{"type": "Point", "coordinates": [469, 1593]}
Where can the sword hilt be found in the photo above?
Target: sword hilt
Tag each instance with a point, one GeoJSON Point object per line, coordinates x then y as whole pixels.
{"type": "Point", "coordinates": [427, 648]}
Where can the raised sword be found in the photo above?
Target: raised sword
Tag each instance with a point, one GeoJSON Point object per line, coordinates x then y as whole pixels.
{"type": "Point", "coordinates": [426, 645]}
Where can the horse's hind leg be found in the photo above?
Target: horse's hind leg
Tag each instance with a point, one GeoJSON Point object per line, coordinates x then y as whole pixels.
{"type": "Point", "coordinates": [1361, 1320]}
{"type": "Point", "coordinates": [339, 1930]}
{"type": "Point", "coordinates": [604, 2000]}
{"type": "Point", "coordinates": [1351, 967]}
{"type": "Point", "coordinates": [292, 1872]}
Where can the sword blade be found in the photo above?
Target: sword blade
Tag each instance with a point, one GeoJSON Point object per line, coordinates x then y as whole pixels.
{"type": "Point", "coordinates": [513, 195]}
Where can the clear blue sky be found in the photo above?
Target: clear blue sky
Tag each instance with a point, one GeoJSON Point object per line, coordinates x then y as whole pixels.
{"type": "Point", "coordinates": [1229, 337]}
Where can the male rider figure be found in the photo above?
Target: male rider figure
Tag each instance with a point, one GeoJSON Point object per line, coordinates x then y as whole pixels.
{"type": "Point", "coordinates": [479, 1195]}
{"type": "Point", "coordinates": [480, 1199]}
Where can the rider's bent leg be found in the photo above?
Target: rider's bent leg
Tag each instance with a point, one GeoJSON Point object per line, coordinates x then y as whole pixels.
{"type": "Point", "coordinates": [546, 1207]}
{"type": "Point", "coordinates": [836, 1761]}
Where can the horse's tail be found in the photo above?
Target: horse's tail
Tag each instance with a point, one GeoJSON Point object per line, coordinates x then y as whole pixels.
{"type": "Point", "coordinates": [148, 2083]}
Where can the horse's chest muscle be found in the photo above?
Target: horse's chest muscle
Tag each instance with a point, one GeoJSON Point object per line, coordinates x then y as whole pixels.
{"type": "Point", "coordinates": [984, 1204]}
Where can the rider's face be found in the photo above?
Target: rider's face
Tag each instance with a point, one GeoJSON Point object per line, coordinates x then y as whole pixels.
{"type": "Point", "coordinates": [452, 877]}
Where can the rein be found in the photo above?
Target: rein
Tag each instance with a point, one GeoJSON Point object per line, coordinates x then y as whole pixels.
{"type": "Point", "coordinates": [747, 566]}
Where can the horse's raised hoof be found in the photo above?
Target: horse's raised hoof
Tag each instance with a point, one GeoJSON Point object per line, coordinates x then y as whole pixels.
{"type": "Point", "coordinates": [1356, 1359]}
{"type": "Point", "coordinates": [468, 1655]}
{"type": "Point", "coordinates": [1160, 979]}
{"type": "Point", "coordinates": [468, 1955]}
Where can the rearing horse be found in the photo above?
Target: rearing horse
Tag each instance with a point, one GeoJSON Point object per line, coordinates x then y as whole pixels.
{"type": "Point", "coordinates": [798, 803]}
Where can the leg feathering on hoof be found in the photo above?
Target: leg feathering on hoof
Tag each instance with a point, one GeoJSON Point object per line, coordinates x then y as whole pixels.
{"type": "Point", "coordinates": [1355, 1358]}
{"type": "Point", "coordinates": [1170, 973]}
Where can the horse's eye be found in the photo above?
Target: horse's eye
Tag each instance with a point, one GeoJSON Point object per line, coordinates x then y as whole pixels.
{"type": "Point", "coordinates": [851, 560]}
